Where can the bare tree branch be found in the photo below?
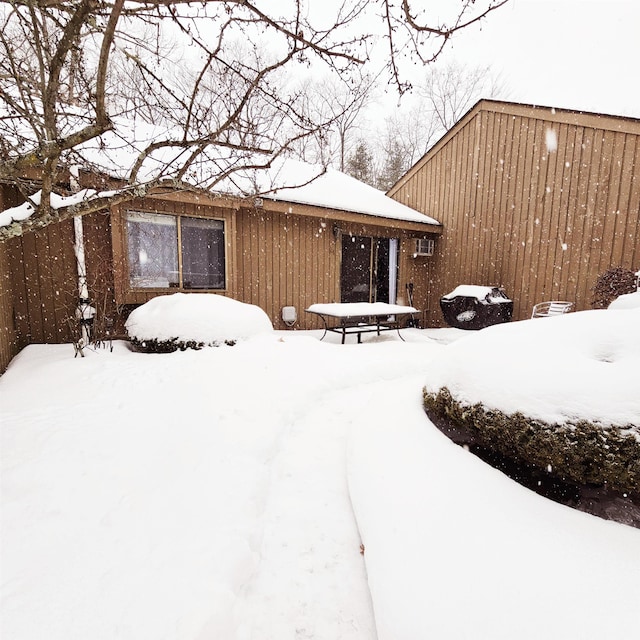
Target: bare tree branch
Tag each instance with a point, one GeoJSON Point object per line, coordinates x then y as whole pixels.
{"type": "Point", "coordinates": [171, 90]}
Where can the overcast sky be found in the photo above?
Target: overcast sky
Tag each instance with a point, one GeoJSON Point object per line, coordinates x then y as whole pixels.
{"type": "Point", "coordinates": [575, 54]}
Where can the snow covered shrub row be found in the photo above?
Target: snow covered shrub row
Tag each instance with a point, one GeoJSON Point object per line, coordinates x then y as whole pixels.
{"type": "Point", "coordinates": [583, 452]}
{"type": "Point", "coordinates": [192, 321]}
{"type": "Point", "coordinates": [557, 391]}
{"type": "Point", "coordinates": [174, 344]}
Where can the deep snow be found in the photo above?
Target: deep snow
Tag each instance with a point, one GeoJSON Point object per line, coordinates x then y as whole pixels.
{"type": "Point", "coordinates": [225, 493]}
{"type": "Point", "coordinates": [560, 369]}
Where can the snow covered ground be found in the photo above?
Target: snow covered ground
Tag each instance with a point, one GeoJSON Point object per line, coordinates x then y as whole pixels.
{"type": "Point", "coordinates": [225, 494]}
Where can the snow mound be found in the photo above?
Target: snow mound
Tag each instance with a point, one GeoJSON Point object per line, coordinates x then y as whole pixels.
{"type": "Point", "coordinates": [206, 318]}
{"type": "Point", "coordinates": [578, 366]}
{"type": "Point", "coordinates": [627, 301]}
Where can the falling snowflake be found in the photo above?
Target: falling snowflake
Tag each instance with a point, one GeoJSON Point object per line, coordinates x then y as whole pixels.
{"type": "Point", "coordinates": [551, 140]}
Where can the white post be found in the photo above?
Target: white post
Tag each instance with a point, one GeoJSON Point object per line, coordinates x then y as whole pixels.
{"type": "Point", "coordinates": [84, 311]}
{"type": "Point", "coordinates": [83, 291]}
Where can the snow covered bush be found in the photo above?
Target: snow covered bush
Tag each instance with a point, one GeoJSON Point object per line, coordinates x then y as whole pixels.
{"type": "Point", "coordinates": [558, 393]}
{"type": "Point", "coordinates": [193, 320]}
{"type": "Point", "coordinates": [611, 284]}
{"type": "Point", "coordinates": [582, 452]}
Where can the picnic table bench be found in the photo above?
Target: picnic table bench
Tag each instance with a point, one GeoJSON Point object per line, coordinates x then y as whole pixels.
{"type": "Point", "coordinates": [347, 318]}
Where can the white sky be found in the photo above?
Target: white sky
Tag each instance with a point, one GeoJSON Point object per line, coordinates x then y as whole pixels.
{"type": "Point", "coordinates": [576, 54]}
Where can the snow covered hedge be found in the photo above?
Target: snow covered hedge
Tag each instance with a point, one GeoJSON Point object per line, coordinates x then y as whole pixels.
{"type": "Point", "coordinates": [555, 392]}
{"type": "Point", "coordinates": [583, 452]}
{"type": "Point", "coordinates": [192, 321]}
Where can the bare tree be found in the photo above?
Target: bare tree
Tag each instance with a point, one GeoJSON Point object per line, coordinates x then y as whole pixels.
{"type": "Point", "coordinates": [395, 165]}
{"type": "Point", "coordinates": [436, 104]}
{"type": "Point", "coordinates": [340, 104]}
{"type": "Point", "coordinates": [209, 81]}
{"type": "Point", "coordinates": [449, 92]}
{"type": "Point", "coordinates": [407, 132]}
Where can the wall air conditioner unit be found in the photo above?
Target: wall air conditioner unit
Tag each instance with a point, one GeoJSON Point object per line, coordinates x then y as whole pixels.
{"type": "Point", "coordinates": [424, 247]}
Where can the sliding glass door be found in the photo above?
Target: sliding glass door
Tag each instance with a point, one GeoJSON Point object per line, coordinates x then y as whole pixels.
{"type": "Point", "coordinates": [369, 269]}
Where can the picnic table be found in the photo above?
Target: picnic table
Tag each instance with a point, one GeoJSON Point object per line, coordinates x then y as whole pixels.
{"type": "Point", "coordinates": [347, 318]}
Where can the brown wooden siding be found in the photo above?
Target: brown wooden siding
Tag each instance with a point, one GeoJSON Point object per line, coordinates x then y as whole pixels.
{"type": "Point", "coordinates": [542, 223]}
{"type": "Point", "coordinates": [8, 334]}
{"type": "Point", "coordinates": [277, 258]}
{"type": "Point", "coordinates": [8, 338]}
{"type": "Point", "coordinates": [39, 284]}
{"type": "Point", "coordinates": [285, 260]}
{"type": "Point", "coordinates": [44, 287]}
{"type": "Point", "coordinates": [100, 272]}
{"type": "Point", "coordinates": [274, 258]}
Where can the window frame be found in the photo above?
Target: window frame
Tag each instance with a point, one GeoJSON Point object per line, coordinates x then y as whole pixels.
{"type": "Point", "coordinates": [131, 287]}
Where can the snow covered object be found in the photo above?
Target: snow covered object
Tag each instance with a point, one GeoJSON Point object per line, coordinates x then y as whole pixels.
{"type": "Point", "coordinates": [627, 301]}
{"type": "Point", "coordinates": [560, 394]}
{"type": "Point", "coordinates": [476, 307]}
{"type": "Point", "coordinates": [192, 321]}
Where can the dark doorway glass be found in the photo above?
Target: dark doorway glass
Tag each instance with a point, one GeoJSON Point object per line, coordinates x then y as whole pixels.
{"type": "Point", "coordinates": [355, 278]}
{"type": "Point", "coordinates": [381, 278]}
{"type": "Point", "coordinates": [369, 269]}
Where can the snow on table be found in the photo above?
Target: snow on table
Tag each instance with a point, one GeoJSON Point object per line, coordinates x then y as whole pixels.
{"type": "Point", "coordinates": [353, 309]}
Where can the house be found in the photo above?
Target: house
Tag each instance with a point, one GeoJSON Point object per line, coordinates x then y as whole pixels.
{"type": "Point", "coordinates": [537, 200]}
{"type": "Point", "coordinates": [329, 238]}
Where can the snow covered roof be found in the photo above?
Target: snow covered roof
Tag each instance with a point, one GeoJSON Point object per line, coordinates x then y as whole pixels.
{"type": "Point", "coordinates": [25, 210]}
{"type": "Point", "coordinates": [116, 153]}
{"type": "Point", "coordinates": [328, 188]}
{"type": "Point", "coordinates": [285, 179]}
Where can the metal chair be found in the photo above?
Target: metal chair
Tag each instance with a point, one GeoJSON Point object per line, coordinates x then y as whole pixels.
{"type": "Point", "coordinates": [551, 308]}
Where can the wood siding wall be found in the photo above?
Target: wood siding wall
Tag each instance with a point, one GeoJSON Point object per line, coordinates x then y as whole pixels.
{"type": "Point", "coordinates": [43, 283]}
{"type": "Point", "coordinates": [285, 260]}
{"type": "Point", "coordinates": [274, 259]}
{"type": "Point", "coordinates": [8, 338]}
{"type": "Point", "coordinates": [291, 260]}
{"type": "Point", "coordinates": [541, 222]}
{"type": "Point", "coordinates": [8, 335]}
{"type": "Point", "coordinates": [39, 284]}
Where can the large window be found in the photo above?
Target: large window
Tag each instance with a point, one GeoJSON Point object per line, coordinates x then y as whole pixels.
{"type": "Point", "coordinates": [175, 251]}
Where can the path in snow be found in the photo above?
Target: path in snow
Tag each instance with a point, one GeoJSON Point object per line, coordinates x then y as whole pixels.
{"type": "Point", "coordinates": [311, 581]}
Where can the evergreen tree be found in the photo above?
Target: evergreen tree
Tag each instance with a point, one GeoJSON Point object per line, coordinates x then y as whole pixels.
{"type": "Point", "coordinates": [395, 166]}
{"type": "Point", "coordinates": [360, 164]}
